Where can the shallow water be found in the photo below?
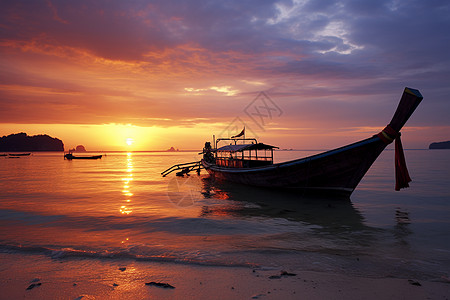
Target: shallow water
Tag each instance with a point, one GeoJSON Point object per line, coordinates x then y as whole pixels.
{"type": "Point", "coordinates": [121, 207]}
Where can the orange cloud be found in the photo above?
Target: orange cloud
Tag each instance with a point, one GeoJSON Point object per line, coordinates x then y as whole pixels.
{"type": "Point", "coordinates": [180, 68]}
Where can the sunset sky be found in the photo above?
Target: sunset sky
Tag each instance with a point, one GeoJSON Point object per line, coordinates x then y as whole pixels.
{"type": "Point", "coordinates": [148, 75]}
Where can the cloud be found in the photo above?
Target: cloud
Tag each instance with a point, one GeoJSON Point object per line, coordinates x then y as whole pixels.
{"type": "Point", "coordinates": [116, 61]}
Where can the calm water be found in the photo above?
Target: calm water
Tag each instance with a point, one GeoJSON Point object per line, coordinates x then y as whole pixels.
{"type": "Point", "coordinates": [121, 207]}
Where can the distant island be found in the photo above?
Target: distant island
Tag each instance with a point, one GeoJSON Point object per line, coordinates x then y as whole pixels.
{"type": "Point", "coordinates": [21, 142]}
{"type": "Point", "coordinates": [79, 148]}
{"type": "Point", "coordinates": [440, 145]}
{"type": "Point", "coordinates": [172, 149]}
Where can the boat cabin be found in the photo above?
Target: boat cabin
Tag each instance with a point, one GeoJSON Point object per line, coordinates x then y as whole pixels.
{"type": "Point", "coordinates": [245, 155]}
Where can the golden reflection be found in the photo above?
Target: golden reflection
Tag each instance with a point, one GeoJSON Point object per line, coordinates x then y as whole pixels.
{"type": "Point", "coordinates": [126, 209]}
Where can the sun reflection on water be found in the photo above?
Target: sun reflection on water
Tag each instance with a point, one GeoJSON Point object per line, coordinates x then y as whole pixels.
{"type": "Point", "coordinates": [126, 209]}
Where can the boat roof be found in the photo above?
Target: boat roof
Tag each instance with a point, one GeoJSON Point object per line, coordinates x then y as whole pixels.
{"type": "Point", "coordinates": [242, 147]}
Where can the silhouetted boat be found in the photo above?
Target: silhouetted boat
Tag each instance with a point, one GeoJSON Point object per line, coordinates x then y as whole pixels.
{"type": "Point", "coordinates": [339, 170]}
{"type": "Point", "coordinates": [19, 154]}
{"type": "Point", "coordinates": [70, 156]}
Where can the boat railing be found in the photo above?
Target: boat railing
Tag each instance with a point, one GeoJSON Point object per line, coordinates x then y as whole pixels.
{"type": "Point", "coordinates": [249, 155]}
{"type": "Point", "coordinates": [263, 158]}
{"type": "Point", "coordinates": [245, 162]}
{"type": "Point", "coordinates": [256, 158]}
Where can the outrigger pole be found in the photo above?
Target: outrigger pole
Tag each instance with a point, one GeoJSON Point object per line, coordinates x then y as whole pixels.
{"type": "Point", "coordinates": [185, 168]}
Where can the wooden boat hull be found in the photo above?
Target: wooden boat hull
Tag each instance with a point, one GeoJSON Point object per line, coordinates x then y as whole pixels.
{"type": "Point", "coordinates": [338, 171]}
{"type": "Point", "coordinates": [19, 154]}
{"type": "Point", "coordinates": [70, 157]}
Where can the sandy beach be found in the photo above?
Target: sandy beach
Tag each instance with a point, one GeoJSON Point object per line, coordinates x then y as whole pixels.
{"type": "Point", "coordinates": [32, 276]}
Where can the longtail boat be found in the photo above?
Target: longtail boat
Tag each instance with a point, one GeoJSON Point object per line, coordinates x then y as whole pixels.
{"type": "Point", "coordinates": [70, 156]}
{"type": "Point", "coordinates": [337, 171]}
{"type": "Point", "coordinates": [19, 154]}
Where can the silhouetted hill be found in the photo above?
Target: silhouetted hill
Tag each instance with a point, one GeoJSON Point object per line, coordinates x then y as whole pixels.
{"type": "Point", "coordinates": [23, 142]}
{"type": "Point", "coordinates": [440, 145]}
{"type": "Point", "coordinates": [80, 148]}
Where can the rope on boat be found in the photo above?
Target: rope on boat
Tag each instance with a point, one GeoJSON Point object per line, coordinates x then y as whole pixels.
{"type": "Point", "coordinates": [402, 178]}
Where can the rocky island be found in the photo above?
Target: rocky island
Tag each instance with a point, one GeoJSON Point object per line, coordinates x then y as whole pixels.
{"type": "Point", "coordinates": [440, 145]}
{"type": "Point", "coordinates": [79, 148]}
{"type": "Point", "coordinates": [21, 142]}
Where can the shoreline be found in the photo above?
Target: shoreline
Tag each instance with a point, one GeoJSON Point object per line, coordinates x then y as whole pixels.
{"type": "Point", "coordinates": [87, 278]}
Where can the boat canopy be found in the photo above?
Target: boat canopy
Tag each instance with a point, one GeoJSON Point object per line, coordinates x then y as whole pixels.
{"type": "Point", "coordinates": [243, 147]}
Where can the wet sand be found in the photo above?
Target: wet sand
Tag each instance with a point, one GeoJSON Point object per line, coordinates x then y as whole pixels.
{"type": "Point", "coordinates": [84, 278]}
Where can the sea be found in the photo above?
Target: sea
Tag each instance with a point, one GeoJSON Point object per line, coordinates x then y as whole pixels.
{"type": "Point", "coordinates": [120, 207]}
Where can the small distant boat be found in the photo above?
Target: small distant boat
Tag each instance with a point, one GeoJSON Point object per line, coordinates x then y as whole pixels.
{"type": "Point", "coordinates": [70, 156]}
{"type": "Point", "coordinates": [3, 154]}
{"type": "Point", "coordinates": [19, 154]}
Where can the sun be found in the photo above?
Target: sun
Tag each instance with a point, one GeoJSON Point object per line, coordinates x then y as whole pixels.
{"type": "Point", "coordinates": [129, 141]}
